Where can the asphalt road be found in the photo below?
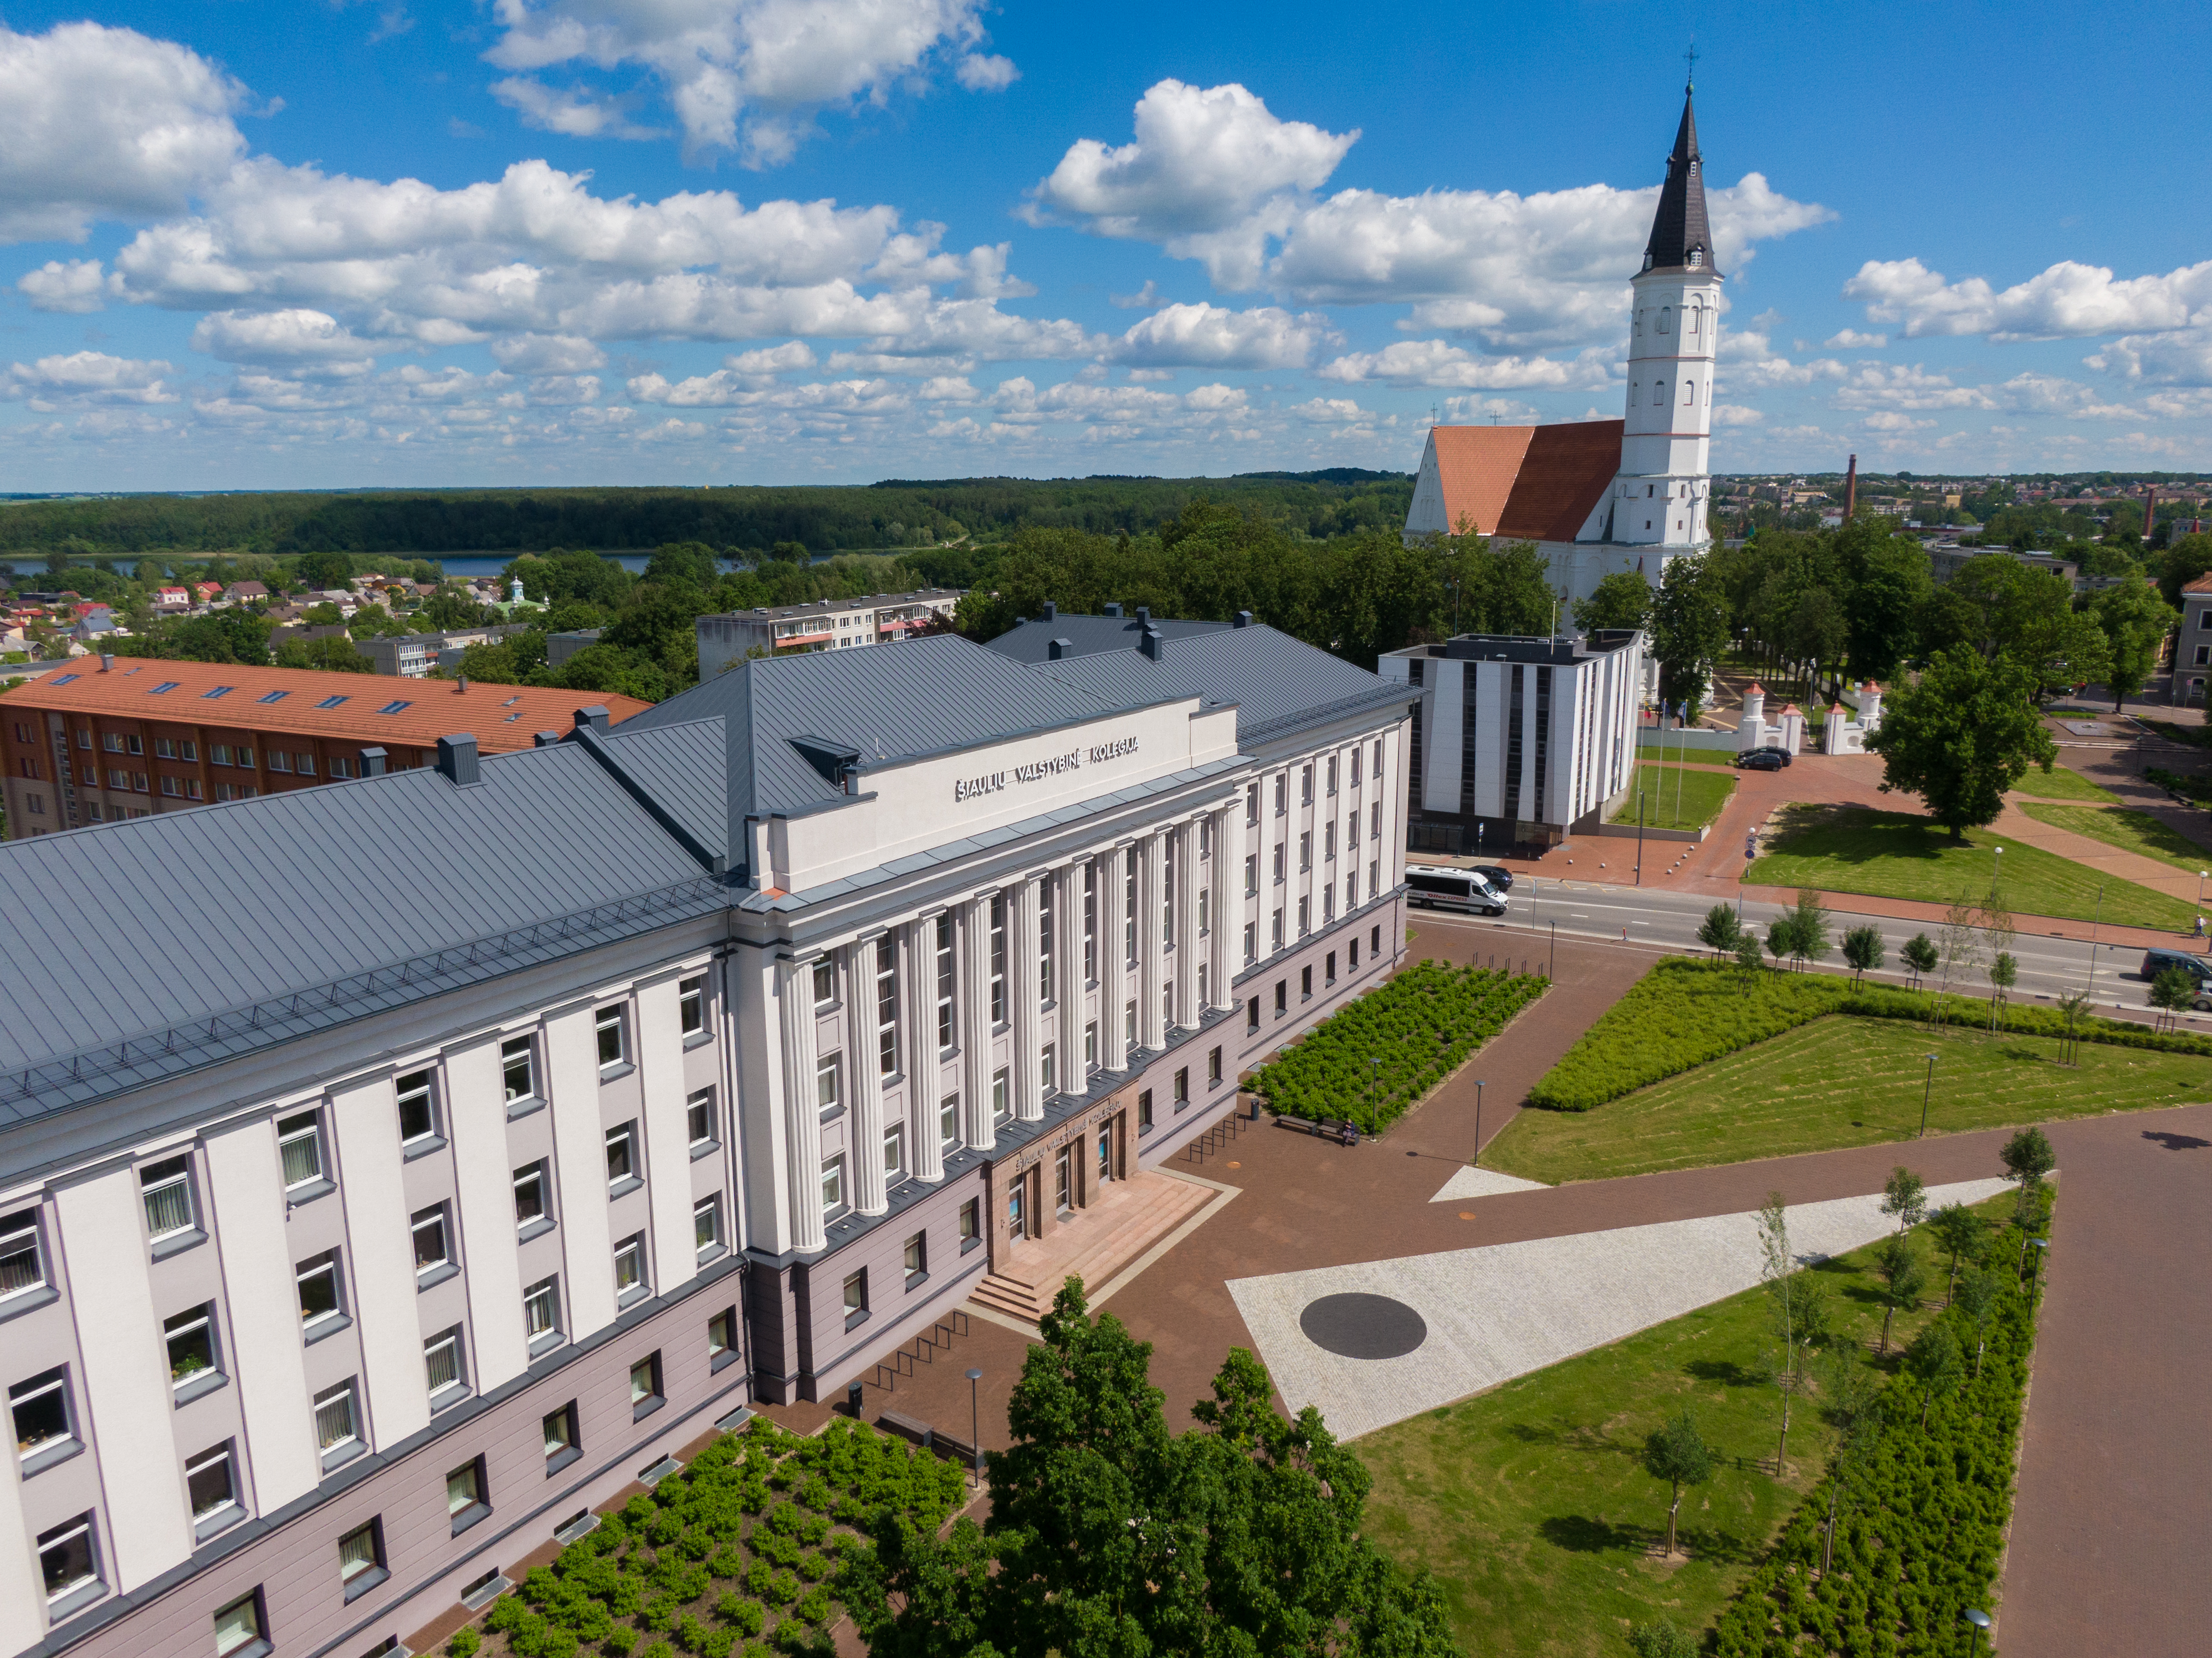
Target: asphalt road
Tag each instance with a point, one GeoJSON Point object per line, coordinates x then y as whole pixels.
{"type": "Point", "coordinates": [2048, 967]}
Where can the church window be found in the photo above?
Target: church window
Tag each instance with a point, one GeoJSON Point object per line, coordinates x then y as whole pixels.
{"type": "Point", "coordinates": [1693, 315]}
{"type": "Point", "coordinates": [1658, 393]}
{"type": "Point", "coordinates": [1666, 319]}
{"type": "Point", "coordinates": [1635, 391]}
{"type": "Point", "coordinates": [1689, 394]}
{"type": "Point", "coordinates": [1649, 489]}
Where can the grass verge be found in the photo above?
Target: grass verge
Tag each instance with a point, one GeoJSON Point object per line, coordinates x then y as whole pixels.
{"type": "Point", "coordinates": [1676, 797]}
{"type": "Point", "coordinates": [2061, 784]}
{"type": "Point", "coordinates": [1531, 1505]}
{"type": "Point", "coordinates": [2130, 831]}
{"type": "Point", "coordinates": [1837, 1082]}
{"type": "Point", "coordinates": [1890, 855]}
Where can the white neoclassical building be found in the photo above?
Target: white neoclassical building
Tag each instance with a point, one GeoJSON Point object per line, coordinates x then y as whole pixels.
{"type": "Point", "coordinates": [1604, 497]}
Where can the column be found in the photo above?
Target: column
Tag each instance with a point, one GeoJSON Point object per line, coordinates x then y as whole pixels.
{"type": "Point", "coordinates": [1067, 972]}
{"type": "Point", "coordinates": [865, 1142]}
{"type": "Point", "coordinates": [974, 1012]}
{"type": "Point", "coordinates": [918, 1051]}
{"type": "Point", "coordinates": [580, 1172]}
{"type": "Point", "coordinates": [476, 1117]}
{"type": "Point", "coordinates": [802, 1117]}
{"type": "Point", "coordinates": [1113, 975]}
{"type": "Point", "coordinates": [1227, 952]}
{"type": "Point", "coordinates": [1023, 997]}
{"type": "Point", "coordinates": [379, 1262]}
{"type": "Point", "coordinates": [1188, 947]}
{"type": "Point", "coordinates": [1152, 952]}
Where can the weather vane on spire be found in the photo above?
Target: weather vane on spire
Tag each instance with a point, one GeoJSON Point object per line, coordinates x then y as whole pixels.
{"type": "Point", "coordinates": [1690, 79]}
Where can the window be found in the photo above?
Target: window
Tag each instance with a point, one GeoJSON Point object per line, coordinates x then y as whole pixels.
{"type": "Point", "coordinates": [464, 1490]}
{"type": "Point", "coordinates": [621, 1159]}
{"type": "Point", "coordinates": [1354, 955]}
{"type": "Point", "coordinates": [856, 1297]}
{"type": "Point", "coordinates": [299, 1144]}
{"type": "Point", "coordinates": [1355, 767]}
{"type": "Point", "coordinates": [945, 979]}
{"type": "Point", "coordinates": [112, 741]}
{"type": "Point", "coordinates": [164, 748]}
{"type": "Point", "coordinates": [220, 754]}
{"type": "Point", "coordinates": [428, 1229]}
{"type": "Point", "coordinates": [825, 1082]}
{"type": "Point", "coordinates": [238, 1624]}
{"type": "Point", "coordinates": [1213, 1068]}
{"type": "Point", "coordinates": [706, 1222]}
{"type": "Point", "coordinates": [1332, 774]}
{"type": "Point", "coordinates": [1306, 916]}
{"type": "Point", "coordinates": [541, 1308]}
{"type": "Point", "coordinates": [529, 1193]}
{"type": "Point", "coordinates": [699, 1117]}
{"type": "Point", "coordinates": [559, 1429]}
{"type": "Point", "coordinates": [917, 1259]}
{"type": "Point", "coordinates": [20, 1265]}
{"type": "Point", "coordinates": [1145, 1111]}
{"type": "Point", "coordinates": [1251, 1016]}
{"type": "Point", "coordinates": [518, 1068]}
{"type": "Point", "coordinates": [1129, 908]}
{"type": "Point", "coordinates": [334, 1418]}
{"type": "Point", "coordinates": [895, 1153]}
{"type": "Point", "coordinates": [1375, 940]}
{"type": "Point", "coordinates": [887, 1054]}
{"type": "Point", "coordinates": [1305, 785]}
{"type": "Point", "coordinates": [361, 1551]}
{"type": "Point", "coordinates": [692, 1006]}
{"type": "Point", "coordinates": [1328, 904]}
{"type": "Point", "coordinates": [318, 1280]}
{"type": "Point", "coordinates": [1305, 983]}
{"type": "Point", "coordinates": [998, 958]}
{"type": "Point", "coordinates": [1167, 890]}
{"type": "Point", "coordinates": [279, 761]}
{"type": "Point", "coordinates": [630, 1267]}
{"type": "Point", "coordinates": [1282, 792]}
{"type": "Point", "coordinates": [395, 707]}
{"type": "Point", "coordinates": [1204, 911]}
{"type": "Point", "coordinates": [1129, 1025]}
{"type": "Point", "coordinates": [65, 1559]}
{"type": "Point", "coordinates": [1251, 942]}
{"type": "Point", "coordinates": [161, 689]}
{"type": "Point", "coordinates": [166, 1189]}
{"type": "Point", "coordinates": [1000, 1107]}
{"type": "Point", "coordinates": [117, 780]}
{"type": "Point", "coordinates": [1091, 923]}
{"type": "Point", "coordinates": [609, 1025]}
{"type": "Point", "coordinates": [418, 1114]}
{"type": "Point", "coordinates": [1089, 1047]}
{"type": "Point", "coordinates": [333, 701]}
{"type": "Point", "coordinates": [1181, 1087]}
{"type": "Point", "coordinates": [970, 1223]}
{"type": "Point", "coordinates": [340, 766]}
{"type": "Point", "coordinates": [1277, 933]}
{"type": "Point", "coordinates": [41, 1407]}
{"type": "Point", "coordinates": [1251, 874]}
{"type": "Point", "coordinates": [441, 1362]}
{"type": "Point", "coordinates": [191, 1338]}
{"type": "Point", "coordinates": [833, 1184]}
{"type": "Point", "coordinates": [304, 764]}
{"type": "Point", "coordinates": [1281, 858]}
{"type": "Point", "coordinates": [948, 1121]}
{"type": "Point", "coordinates": [1305, 850]}
{"type": "Point", "coordinates": [825, 981]}
{"type": "Point", "coordinates": [1049, 1069]}
{"type": "Point", "coordinates": [1328, 842]}
{"type": "Point", "coordinates": [209, 1483]}
{"type": "Point", "coordinates": [1282, 997]}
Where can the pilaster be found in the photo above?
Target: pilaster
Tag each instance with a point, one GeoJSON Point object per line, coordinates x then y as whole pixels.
{"type": "Point", "coordinates": [865, 1144]}
{"type": "Point", "coordinates": [919, 1059]}
{"type": "Point", "coordinates": [802, 1117]}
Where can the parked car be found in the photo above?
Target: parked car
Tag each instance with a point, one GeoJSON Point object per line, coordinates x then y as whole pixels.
{"type": "Point", "coordinates": [2155, 962]}
{"type": "Point", "coordinates": [1432, 886]}
{"type": "Point", "coordinates": [1500, 878]}
{"type": "Point", "coordinates": [1763, 759]}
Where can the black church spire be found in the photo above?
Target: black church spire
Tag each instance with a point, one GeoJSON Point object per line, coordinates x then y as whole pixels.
{"type": "Point", "coordinates": [1681, 238]}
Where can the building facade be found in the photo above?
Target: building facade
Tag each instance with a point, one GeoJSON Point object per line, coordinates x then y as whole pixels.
{"type": "Point", "coordinates": [833, 624]}
{"type": "Point", "coordinates": [1517, 741]}
{"type": "Point", "coordinates": [1604, 497]}
{"type": "Point", "coordinates": [111, 738]}
{"type": "Point", "coordinates": [414, 656]}
{"type": "Point", "coordinates": [349, 1254]}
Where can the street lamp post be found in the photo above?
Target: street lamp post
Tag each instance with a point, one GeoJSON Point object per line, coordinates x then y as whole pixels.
{"type": "Point", "coordinates": [2040, 1246]}
{"type": "Point", "coordinates": [974, 1431]}
{"type": "Point", "coordinates": [1552, 971]}
{"type": "Point", "coordinates": [1640, 837]}
{"type": "Point", "coordinates": [1926, 1088]}
{"type": "Point", "coordinates": [2095, 916]}
{"type": "Point", "coordinates": [1980, 1620]}
{"type": "Point", "coordinates": [1478, 1121]}
{"type": "Point", "coordinates": [1997, 871]}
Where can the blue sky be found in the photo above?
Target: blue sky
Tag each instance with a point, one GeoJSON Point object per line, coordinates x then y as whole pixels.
{"type": "Point", "coordinates": [411, 242]}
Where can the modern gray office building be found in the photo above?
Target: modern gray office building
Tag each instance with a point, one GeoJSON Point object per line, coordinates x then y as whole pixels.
{"type": "Point", "coordinates": [391, 1171]}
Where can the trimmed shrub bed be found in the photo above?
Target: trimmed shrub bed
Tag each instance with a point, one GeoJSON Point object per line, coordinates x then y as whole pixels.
{"type": "Point", "coordinates": [1421, 1025]}
{"type": "Point", "coordinates": [1921, 1519]}
{"type": "Point", "coordinates": [1685, 1013]}
{"type": "Point", "coordinates": [736, 1555]}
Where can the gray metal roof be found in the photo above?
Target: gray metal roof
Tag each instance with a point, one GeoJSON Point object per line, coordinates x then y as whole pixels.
{"type": "Point", "coordinates": [1087, 635]}
{"type": "Point", "coordinates": [184, 920]}
{"type": "Point", "coordinates": [685, 768]}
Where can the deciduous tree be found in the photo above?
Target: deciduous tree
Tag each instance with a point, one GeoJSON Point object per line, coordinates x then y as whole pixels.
{"type": "Point", "coordinates": [1905, 1195]}
{"type": "Point", "coordinates": [1622, 599]}
{"type": "Point", "coordinates": [1960, 736]}
{"type": "Point", "coordinates": [1689, 631]}
{"type": "Point", "coordinates": [1962, 1233]}
{"type": "Point", "coordinates": [1720, 929]}
{"type": "Point", "coordinates": [1678, 1454]}
{"type": "Point", "coordinates": [1902, 1278]}
{"type": "Point", "coordinates": [1933, 1362]}
{"type": "Point", "coordinates": [2135, 621]}
{"type": "Point", "coordinates": [1920, 955]}
{"type": "Point", "coordinates": [1862, 950]}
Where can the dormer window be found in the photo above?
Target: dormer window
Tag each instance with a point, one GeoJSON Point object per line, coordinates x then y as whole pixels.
{"type": "Point", "coordinates": [1697, 258]}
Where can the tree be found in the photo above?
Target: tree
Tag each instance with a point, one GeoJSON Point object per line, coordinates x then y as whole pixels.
{"type": "Point", "coordinates": [1812, 926]}
{"type": "Point", "coordinates": [1933, 1362]}
{"type": "Point", "coordinates": [1854, 1406]}
{"type": "Point", "coordinates": [330, 654]}
{"type": "Point", "coordinates": [1919, 954]}
{"type": "Point", "coordinates": [1622, 599]}
{"type": "Point", "coordinates": [1862, 950]}
{"type": "Point", "coordinates": [2027, 1158]}
{"type": "Point", "coordinates": [1960, 1232]}
{"type": "Point", "coordinates": [2073, 1008]}
{"type": "Point", "coordinates": [2004, 974]}
{"type": "Point", "coordinates": [1747, 955]}
{"type": "Point", "coordinates": [1902, 1278]}
{"type": "Point", "coordinates": [1961, 946]}
{"type": "Point", "coordinates": [1661, 1639]}
{"type": "Point", "coordinates": [1720, 929]}
{"type": "Point", "coordinates": [1960, 736]}
{"type": "Point", "coordinates": [2135, 621]}
{"type": "Point", "coordinates": [324, 572]}
{"type": "Point", "coordinates": [1678, 1454]}
{"type": "Point", "coordinates": [1892, 593]}
{"type": "Point", "coordinates": [1785, 1288]}
{"type": "Point", "coordinates": [2172, 991]}
{"type": "Point", "coordinates": [1782, 936]}
{"type": "Point", "coordinates": [1689, 631]}
{"type": "Point", "coordinates": [1905, 1195]}
{"type": "Point", "coordinates": [1976, 1296]}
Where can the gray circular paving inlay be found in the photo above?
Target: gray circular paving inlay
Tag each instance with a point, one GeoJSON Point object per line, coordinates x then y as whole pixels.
{"type": "Point", "coordinates": [1359, 1325]}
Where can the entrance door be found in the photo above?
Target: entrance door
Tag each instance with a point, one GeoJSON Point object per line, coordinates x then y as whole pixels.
{"type": "Point", "coordinates": [1105, 1153]}
{"type": "Point", "coordinates": [1017, 1225]}
{"type": "Point", "coordinates": [1063, 1180]}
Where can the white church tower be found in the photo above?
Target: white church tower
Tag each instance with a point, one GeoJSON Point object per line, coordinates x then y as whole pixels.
{"type": "Point", "coordinates": [1664, 485]}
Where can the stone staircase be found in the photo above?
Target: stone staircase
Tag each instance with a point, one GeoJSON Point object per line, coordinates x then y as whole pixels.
{"type": "Point", "coordinates": [1095, 1244]}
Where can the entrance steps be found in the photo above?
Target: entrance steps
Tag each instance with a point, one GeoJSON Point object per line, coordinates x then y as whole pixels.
{"type": "Point", "coordinates": [1094, 1243]}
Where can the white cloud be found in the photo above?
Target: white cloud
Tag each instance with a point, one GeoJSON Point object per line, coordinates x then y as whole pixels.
{"type": "Point", "coordinates": [1331, 411]}
{"type": "Point", "coordinates": [1437, 363]}
{"type": "Point", "coordinates": [1737, 414]}
{"type": "Point", "coordinates": [1212, 337]}
{"type": "Point", "coordinates": [561, 389]}
{"type": "Point", "coordinates": [85, 377]}
{"type": "Point", "coordinates": [1850, 339]}
{"type": "Point", "coordinates": [76, 287]}
{"type": "Point", "coordinates": [2181, 357]}
{"type": "Point", "coordinates": [748, 75]}
{"type": "Point", "coordinates": [547, 354]}
{"type": "Point", "coordinates": [2047, 394]}
{"type": "Point", "coordinates": [1752, 363]}
{"type": "Point", "coordinates": [1150, 376]}
{"type": "Point", "coordinates": [297, 336]}
{"type": "Point", "coordinates": [1147, 298]}
{"type": "Point", "coordinates": [105, 123]}
{"type": "Point", "coordinates": [1474, 411]}
{"type": "Point", "coordinates": [2067, 300]}
{"type": "Point", "coordinates": [574, 111]}
{"type": "Point", "coordinates": [1889, 421]}
{"type": "Point", "coordinates": [1882, 386]}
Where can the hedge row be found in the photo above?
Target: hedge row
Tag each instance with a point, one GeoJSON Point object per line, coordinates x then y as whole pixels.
{"type": "Point", "coordinates": [1921, 1525]}
{"type": "Point", "coordinates": [1686, 1013]}
{"type": "Point", "coordinates": [1421, 1025]}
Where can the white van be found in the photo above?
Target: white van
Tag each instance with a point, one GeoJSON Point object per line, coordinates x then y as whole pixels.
{"type": "Point", "coordinates": [1439, 887]}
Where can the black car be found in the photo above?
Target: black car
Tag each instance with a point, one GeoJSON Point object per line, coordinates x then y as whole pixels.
{"type": "Point", "coordinates": [1500, 879]}
{"type": "Point", "coordinates": [1762, 759]}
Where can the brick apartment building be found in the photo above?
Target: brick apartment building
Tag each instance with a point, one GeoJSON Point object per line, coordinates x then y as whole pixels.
{"type": "Point", "coordinates": [117, 738]}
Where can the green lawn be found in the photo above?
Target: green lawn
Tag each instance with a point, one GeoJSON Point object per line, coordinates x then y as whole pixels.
{"type": "Point", "coordinates": [2060, 784]}
{"type": "Point", "coordinates": [1839, 1081]}
{"type": "Point", "coordinates": [1703, 794]}
{"type": "Point", "coordinates": [1891, 854]}
{"type": "Point", "coordinates": [1531, 1505]}
{"type": "Point", "coordinates": [2132, 831]}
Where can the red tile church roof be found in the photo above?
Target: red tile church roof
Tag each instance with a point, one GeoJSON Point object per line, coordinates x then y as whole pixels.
{"type": "Point", "coordinates": [1526, 483]}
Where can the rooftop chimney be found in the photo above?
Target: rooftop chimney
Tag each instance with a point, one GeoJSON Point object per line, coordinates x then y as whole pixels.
{"type": "Point", "coordinates": [1144, 615]}
{"type": "Point", "coordinates": [462, 689]}
{"type": "Point", "coordinates": [545, 739]}
{"type": "Point", "coordinates": [1241, 619]}
{"type": "Point", "coordinates": [595, 717]}
{"type": "Point", "coordinates": [1059, 647]}
{"type": "Point", "coordinates": [1149, 642]}
{"type": "Point", "coordinates": [1049, 613]}
{"type": "Point", "coordinates": [457, 759]}
{"type": "Point", "coordinates": [1110, 609]}
{"type": "Point", "coordinates": [107, 661]}
{"type": "Point", "coordinates": [372, 762]}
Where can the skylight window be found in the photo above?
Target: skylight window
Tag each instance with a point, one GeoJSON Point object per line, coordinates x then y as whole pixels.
{"type": "Point", "coordinates": [510, 702]}
{"type": "Point", "coordinates": [273, 696]}
{"type": "Point", "coordinates": [165, 685]}
{"type": "Point", "coordinates": [63, 679]}
{"type": "Point", "coordinates": [333, 701]}
{"type": "Point", "coordinates": [220, 690]}
{"type": "Point", "coordinates": [394, 707]}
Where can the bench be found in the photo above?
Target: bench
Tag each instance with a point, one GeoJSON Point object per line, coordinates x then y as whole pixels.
{"type": "Point", "coordinates": [907, 1428]}
{"type": "Point", "coordinates": [1328, 1128]}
